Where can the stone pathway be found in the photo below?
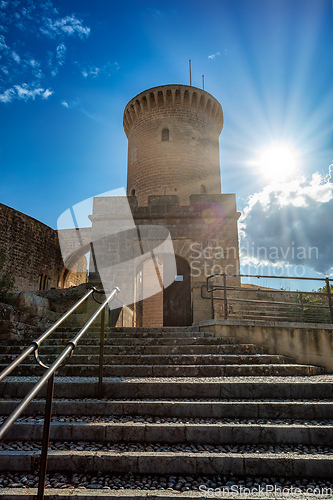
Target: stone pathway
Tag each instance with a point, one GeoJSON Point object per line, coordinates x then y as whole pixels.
{"type": "Point", "coordinates": [182, 412]}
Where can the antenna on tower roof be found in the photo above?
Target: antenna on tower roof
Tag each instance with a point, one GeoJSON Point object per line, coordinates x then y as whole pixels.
{"type": "Point", "coordinates": [189, 61]}
{"type": "Point", "coordinates": [203, 82]}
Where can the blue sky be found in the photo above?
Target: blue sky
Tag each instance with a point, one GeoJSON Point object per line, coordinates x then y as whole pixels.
{"type": "Point", "coordinates": [68, 68]}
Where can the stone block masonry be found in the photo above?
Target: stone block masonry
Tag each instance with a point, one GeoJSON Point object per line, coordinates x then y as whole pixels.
{"type": "Point", "coordinates": [173, 143]}
{"type": "Point", "coordinates": [33, 253]}
{"type": "Point", "coordinates": [32, 250]}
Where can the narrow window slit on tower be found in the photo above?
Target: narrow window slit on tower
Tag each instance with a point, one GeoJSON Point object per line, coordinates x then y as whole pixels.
{"type": "Point", "coordinates": [165, 134]}
{"type": "Point", "coordinates": [43, 282]}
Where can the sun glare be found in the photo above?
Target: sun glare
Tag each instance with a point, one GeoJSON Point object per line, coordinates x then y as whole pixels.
{"type": "Point", "coordinates": [277, 163]}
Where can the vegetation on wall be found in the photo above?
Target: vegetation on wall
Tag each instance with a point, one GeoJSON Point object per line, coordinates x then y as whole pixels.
{"type": "Point", "coordinates": [312, 308]}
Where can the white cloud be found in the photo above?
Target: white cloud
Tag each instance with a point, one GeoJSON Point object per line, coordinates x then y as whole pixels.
{"type": "Point", "coordinates": [47, 93]}
{"type": "Point", "coordinates": [24, 92]}
{"type": "Point", "coordinates": [16, 57]}
{"type": "Point", "coordinates": [7, 96]}
{"type": "Point", "coordinates": [34, 64]}
{"type": "Point", "coordinates": [156, 12]}
{"type": "Point", "coordinates": [61, 52]}
{"type": "Point", "coordinates": [22, 69]}
{"type": "Point", "coordinates": [69, 25]}
{"type": "Point", "coordinates": [283, 218]}
{"type": "Point", "coordinates": [107, 70]}
{"type": "Point", "coordinates": [92, 71]}
{"type": "Point", "coordinates": [3, 45]}
{"type": "Point", "coordinates": [57, 60]}
{"type": "Point", "coordinates": [212, 56]}
{"type": "Point", "coordinates": [70, 104]}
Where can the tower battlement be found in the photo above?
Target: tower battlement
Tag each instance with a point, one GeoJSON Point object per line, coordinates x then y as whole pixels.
{"type": "Point", "coordinates": [173, 143]}
{"type": "Point", "coordinates": [170, 97]}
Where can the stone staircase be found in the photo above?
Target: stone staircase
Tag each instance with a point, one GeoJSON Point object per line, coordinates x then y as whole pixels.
{"type": "Point", "coordinates": [181, 411]}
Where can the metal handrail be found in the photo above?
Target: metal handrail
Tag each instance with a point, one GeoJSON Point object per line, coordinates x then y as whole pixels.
{"type": "Point", "coordinates": [37, 343]}
{"type": "Point", "coordinates": [210, 288]}
{"type": "Point", "coordinates": [48, 376]}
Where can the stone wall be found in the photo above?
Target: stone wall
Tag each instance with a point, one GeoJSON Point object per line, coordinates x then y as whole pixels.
{"type": "Point", "coordinates": [33, 253]}
{"type": "Point", "coordinates": [306, 343]}
{"type": "Point", "coordinates": [32, 250]}
{"type": "Point", "coordinates": [204, 233]}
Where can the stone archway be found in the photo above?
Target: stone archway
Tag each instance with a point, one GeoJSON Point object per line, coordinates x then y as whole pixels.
{"type": "Point", "coordinates": [75, 270]}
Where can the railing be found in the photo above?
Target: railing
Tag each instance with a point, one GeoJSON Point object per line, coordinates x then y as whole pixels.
{"type": "Point", "coordinates": [269, 304]}
{"type": "Point", "coordinates": [49, 375]}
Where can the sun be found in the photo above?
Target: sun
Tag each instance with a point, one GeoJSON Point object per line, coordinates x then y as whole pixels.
{"type": "Point", "coordinates": [277, 163]}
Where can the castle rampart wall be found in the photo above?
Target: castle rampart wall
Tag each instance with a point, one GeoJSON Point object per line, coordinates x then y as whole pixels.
{"type": "Point", "coordinates": [33, 253]}
{"type": "Point", "coordinates": [32, 250]}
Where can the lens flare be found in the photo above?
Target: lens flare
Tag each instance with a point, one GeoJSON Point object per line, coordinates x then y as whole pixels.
{"type": "Point", "coordinates": [277, 163]}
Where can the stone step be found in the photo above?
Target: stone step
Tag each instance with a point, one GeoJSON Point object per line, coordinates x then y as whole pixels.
{"type": "Point", "coordinates": [160, 359]}
{"type": "Point", "coordinates": [68, 486]}
{"type": "Point", "coordinates": [314, 434]}
{"type": "Point", "coordinates": [146, 349]}
{"type": "Point", "coordinates": [256, 409]}
{"type": "Point", "coordinates": [132, 493]}
{"type": "Point", "coordinates": [149, 341]}
{"type": "Point", "coordinates": [68, 334]}
{"type": "Point", "coordinates": [244, 388]}
{"type": "Point", "coordinates": [209, 370]}
{"type": "Point", "coordinates": [258, 462]}
{"type": "Point", "coordinates": [147, 329]}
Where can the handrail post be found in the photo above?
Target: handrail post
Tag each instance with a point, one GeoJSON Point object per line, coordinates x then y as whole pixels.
{"type": "Point", "coordinates": [302, 305]}
{"type": "Point", "coordinates": [46, 437]}
{"type": "Point", "coordinates": [101, 355]}
{"type": "Point", "coordinates": [212, 304]}
{"type": "Point", "coordinates": [329, 295]}
{"type": "Point", "coordinates": [225, 296]}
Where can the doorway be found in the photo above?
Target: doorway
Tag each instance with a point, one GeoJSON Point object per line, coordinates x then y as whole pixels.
{"type": "Point", "coordinates": [177, 297]}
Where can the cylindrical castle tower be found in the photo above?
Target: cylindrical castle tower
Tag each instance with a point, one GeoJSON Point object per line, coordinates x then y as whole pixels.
{"type": "Point", "coordinates": [173, 143]}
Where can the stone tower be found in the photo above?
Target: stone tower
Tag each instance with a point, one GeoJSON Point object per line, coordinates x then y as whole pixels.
{"type": "Point", "coordinates": [173, 143]}
{"type": "Point", "coordinates": [173, 183]}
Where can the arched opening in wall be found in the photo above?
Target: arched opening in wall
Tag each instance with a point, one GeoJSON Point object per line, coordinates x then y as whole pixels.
{"type": "Point", "coordinates": [77, 268]}
{"type": "Point", "coordinates": [152, 100]}
{"type": "Point", "coordinates": [160, 98]}
{"type": "Point", "coordinates": [177, 297]}
{"type": "Point", "coordinates": [165, 134]}
{"type": "Point", "coordinates": [138, 107]}
{"type": "Point", "coordinates": [203, 189]}
{"type": "Point", "coordinates": [169, 96]}
{"type": "Point", "coordinates": [133, 192]}
{"type": "Point", "coordinates": [202, 103]}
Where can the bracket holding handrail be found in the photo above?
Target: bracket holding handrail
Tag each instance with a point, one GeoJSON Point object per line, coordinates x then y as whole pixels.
{"type": "Point", "coordinates": [48, 376]}
{"type": "Point", "coordinates": [37, 343]}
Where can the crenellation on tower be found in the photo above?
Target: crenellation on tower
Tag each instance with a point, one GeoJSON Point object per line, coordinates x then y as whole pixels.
{"type": "Point", "coordinates": [173, 142]}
